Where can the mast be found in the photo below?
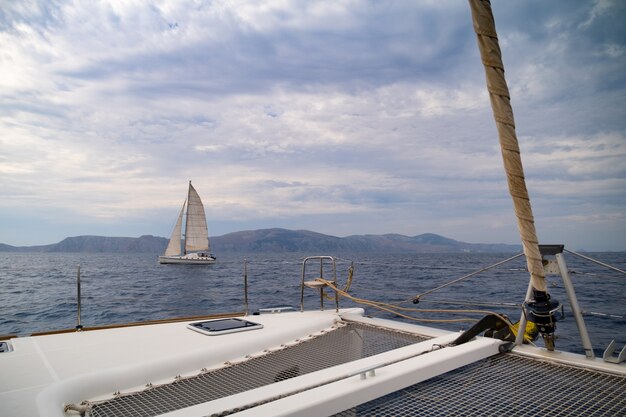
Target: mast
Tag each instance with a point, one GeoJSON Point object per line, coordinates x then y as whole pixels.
{"type": "Point", "coordinates": [484, 26]}
{"type": "Point", "coordinates": [187, 219]}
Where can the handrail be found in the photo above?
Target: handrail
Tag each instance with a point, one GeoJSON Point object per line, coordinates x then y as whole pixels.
{"type": "Point", "coordinates": [245, 285]}
{"type": "Point", "coordinates": [79, 327]}
{"type": "Point", "coordinates": [321, 258]}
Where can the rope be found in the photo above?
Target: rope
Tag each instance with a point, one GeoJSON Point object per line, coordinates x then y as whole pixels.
{"type": "Point", "coordinates": [471, 303]}
{"type": "Point", "coordinates": [596, 261]}
{"type": "Point", "coordinates": [417, 297]}
{"type": "Point", "coordinates": [346, 288]}
{"type": "Point", "coordinates": [485, 29]}
{"type": "Point", "coordinates": [604, 315]}
{"type": "Point", "coordinates": [393, 309]}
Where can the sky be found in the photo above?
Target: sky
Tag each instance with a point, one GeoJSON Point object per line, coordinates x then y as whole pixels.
{"type": "Point", "coordinates": [342, 117]}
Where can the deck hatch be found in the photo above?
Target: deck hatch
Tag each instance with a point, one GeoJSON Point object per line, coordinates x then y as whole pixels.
{"type": "Point", "coordinates": [505, 385]}
{"type": "Point", "coordinates": [347, 342]}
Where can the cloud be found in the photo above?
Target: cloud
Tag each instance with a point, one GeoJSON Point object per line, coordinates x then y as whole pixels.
{"type": "Point", "coordinates": [600, 8]}
{"type": "Point", "coordinates": [350, 116]}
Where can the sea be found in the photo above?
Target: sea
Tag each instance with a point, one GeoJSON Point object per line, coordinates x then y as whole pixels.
{"type": "Point", "coordinates": [39, 292]}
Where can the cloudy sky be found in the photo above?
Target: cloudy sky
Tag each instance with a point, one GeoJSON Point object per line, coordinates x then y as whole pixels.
{"type": "Point", "coordinates": [342, 117]}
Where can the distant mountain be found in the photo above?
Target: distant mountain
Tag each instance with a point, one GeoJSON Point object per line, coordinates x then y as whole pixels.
{"type": "Point", "coordinates": [283, 240]}
{"type": "Point", "coordinates": [274, 240]}
{"type": "Point", "coordinates": [97, 244]}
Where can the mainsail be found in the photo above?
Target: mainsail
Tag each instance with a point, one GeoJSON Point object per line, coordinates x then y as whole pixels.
{"type": "Point", "coordinates": [196, 234]}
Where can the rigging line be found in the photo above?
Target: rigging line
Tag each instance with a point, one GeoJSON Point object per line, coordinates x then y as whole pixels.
{"type": "Point", "coordinates": [596, 261]}
{"type": "Point", "coordinates": [392, 311]}
{"type": "Point", "coordinates": [429, 267]}
{"type": "Point", "coordinates": [418, 296]}
{"type": "Point", "coordinates": [597, 314]}
{"type": "Point", "coordinates": [457, 280]}
{"type": "Point", "coordinates": [337, 258]}
{"type": "Point", "coordinates": [470, 303]}
{"type": "Point", "coordinates": [390, 308]}
{"type": "Point", "coordinates": [448, 301]}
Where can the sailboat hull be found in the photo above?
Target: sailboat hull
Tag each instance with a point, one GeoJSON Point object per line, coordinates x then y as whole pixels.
{"type": "Point", "coordinates": [190, 259]}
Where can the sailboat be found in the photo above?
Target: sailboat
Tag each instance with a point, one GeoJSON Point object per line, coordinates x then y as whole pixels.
{"type": "Point", "coordinates": [195, 249]}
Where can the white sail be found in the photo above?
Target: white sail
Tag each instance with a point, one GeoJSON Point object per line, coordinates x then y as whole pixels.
{"type": "Point", "coordinates": [196, 248]}
{"type": "Point", "coordinates": [196, 233]}
{"type": "Point", "coordinates": [173, 248]}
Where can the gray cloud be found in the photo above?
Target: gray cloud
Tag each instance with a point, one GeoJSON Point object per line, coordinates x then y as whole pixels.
{"type": "Point", "coordinates": [341, 117]}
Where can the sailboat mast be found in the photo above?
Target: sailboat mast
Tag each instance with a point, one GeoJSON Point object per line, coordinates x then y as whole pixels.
{"type": "Point", "coordinates": [541, 306]}
{"type": "Point", "coordinates": [187, 219]}
{"type": "Point", "coordinates": [485, 29]}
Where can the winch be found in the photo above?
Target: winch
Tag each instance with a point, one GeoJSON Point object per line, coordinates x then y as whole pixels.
{"type": "Point", "coordinates": [542, 310]}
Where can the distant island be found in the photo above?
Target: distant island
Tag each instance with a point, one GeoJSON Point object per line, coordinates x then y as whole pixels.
{"type": "Point", "coordinates": [275, 241]}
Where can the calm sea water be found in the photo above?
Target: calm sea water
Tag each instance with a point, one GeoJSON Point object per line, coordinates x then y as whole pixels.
{"type": "Point", "coordinates": [38, 290]}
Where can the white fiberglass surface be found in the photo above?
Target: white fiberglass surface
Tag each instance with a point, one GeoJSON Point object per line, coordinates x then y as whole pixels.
{"type": "Point", "coordinates": [103, 361]}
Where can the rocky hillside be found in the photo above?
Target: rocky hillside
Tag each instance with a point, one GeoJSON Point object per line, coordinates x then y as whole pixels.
{"type": "Point", "coordinates": [282, 240]}
{"type": "Point", "coordinates": [274, 240]}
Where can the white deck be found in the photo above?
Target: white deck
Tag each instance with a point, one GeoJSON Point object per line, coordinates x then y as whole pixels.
{"type": "Point", "coordinates": [141, 354]}
{"type": "Point", "coordinates": [43, 373]}
{"type": "Point", "coordinates": [82, 365]}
